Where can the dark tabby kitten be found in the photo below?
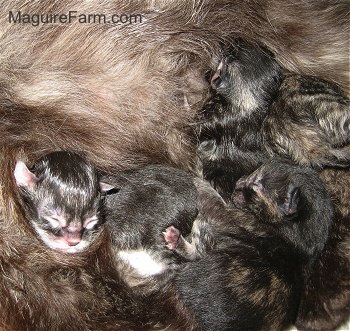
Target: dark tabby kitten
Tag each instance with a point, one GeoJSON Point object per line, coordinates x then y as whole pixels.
{"type": "Point", "coordinates": [61, 196]}
{"type": "Point", "coordinates": [254, 112]}
{"type": "Point", "coordinates": [263, 250]}
{"type": "Point", "coordinates": [307, 120]}
{"type": "Point", "coordinates": [231, 142]}
{"type": "Point", "coordinates": [314, 129]}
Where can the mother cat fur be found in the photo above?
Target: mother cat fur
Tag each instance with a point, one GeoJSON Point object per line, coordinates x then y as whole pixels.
{"type": "Point", "coordinates": [117, 94]}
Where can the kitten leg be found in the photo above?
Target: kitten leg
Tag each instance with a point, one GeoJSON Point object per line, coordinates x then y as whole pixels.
{"type": "Point", "coordinates": [196, 245]}
{"type": "Point", "coordinates": [172, 236]}
{"type": "Point", "coordinates": [176, 242]}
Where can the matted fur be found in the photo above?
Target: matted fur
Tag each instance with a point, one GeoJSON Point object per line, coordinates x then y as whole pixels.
{"type": "Point", "coordinates": [118, 94]}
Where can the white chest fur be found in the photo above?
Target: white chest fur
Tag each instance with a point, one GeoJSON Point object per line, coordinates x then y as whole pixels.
{"type": "Point", "coordinates": [142, 261]}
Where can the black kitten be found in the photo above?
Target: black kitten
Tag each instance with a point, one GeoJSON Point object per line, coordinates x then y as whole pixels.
{"type": "Point", "coordinates": [264, 248]}
{"type": "Point", "coordinates": [61, 196]}
{"type": "Point", "coordinates": [231, 143]}
{"type": "Point", "coordinates": [141, 212]}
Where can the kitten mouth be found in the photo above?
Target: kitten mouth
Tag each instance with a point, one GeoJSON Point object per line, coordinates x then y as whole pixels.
{"type": "Point", "coordinates": [71, 241]}
{"type": "Point", "coordinates": [71, 236]}
{"type": "Point", "coordinates": [64, 238]}
{"type": "Point", "coordinates": [64, 246]}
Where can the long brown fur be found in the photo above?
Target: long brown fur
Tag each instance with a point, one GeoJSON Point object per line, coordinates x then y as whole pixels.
{"type": "Point", "coordinates": [118, 94]}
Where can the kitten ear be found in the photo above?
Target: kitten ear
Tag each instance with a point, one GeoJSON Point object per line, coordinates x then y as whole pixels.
{"type": "Point", "coordinates": [107, 188]}
{"type": "Point", "coordinates": [291, 204]}
{"type": "Point", "coordinates": [218, 75]}
{"type": "Point", "coordinates": [253, 181]}
{"type": "Point", "coordinates": [23, 176]}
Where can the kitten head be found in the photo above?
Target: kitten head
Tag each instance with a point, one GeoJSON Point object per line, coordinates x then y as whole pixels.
{"type": "Point", "coordinates": [61, 195]}
{"type": "Point", "coordinates": [292, 201]}
{"type": "Point", "coordinates": [246, 79]}
{"type": "Point", "coordinates": [270, 193]}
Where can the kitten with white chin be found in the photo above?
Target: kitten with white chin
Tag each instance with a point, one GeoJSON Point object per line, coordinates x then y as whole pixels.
{"type": "Point", "coordinates": [61, 195]}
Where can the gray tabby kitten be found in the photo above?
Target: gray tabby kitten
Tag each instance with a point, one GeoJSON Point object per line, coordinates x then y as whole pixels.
{"type": "Point", "coordinates": [61, 195]}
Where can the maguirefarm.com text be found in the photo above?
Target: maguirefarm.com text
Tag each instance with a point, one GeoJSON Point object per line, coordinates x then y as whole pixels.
{"type": "Point", "coordinates": [72, 16]}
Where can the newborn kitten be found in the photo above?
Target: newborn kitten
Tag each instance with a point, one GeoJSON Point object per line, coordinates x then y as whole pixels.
{"type": "Point", "coordinates": [265, 245]}
{"type": "Point", "coordinates": [231, 143]}
{"type": "Point", "coordinates": [307, 120]}
{"type": "Point", "coordinates": [255, 112]}
{"type": "Point", "coordinates": [140, 213]}
{"type": "Point", "coordinates": [319, 137]}
{"type": "Point", "coordinates": [61, 196]}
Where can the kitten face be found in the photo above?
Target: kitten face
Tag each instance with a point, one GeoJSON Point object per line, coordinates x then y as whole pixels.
{"type": "Point", "coordinates": [247, 78]}
{"type": "Point", "coordinates": [62, 198]}
{"type": "Point", "coordinates": [66, 230]}
{"type": "Point", "coordinates": [270, 195]}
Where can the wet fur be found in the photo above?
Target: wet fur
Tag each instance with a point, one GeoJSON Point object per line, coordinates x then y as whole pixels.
{"type": "Point", "coordinates": [230, 125]}
{"type": "Point", "coordinates": [316, 132]}
{"type": "Point", "coordinates": [73, 87]}
{"type": "Point", "coordinates": [61, 196]}
{"type": "Point", "coordinates": [256, 110]}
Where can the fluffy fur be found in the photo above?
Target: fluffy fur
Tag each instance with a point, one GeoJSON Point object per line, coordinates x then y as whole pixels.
{"type": "Point", "coordinates": [117, 93]}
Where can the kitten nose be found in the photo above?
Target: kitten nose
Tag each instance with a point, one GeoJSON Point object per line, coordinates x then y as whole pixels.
{"type": "Point", "coordinates": [72, 235]}
{"type": "Point", "coordinates": [72, 241]}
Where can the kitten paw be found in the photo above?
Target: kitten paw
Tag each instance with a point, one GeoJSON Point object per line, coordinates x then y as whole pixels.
{"type": "Point", "coordinates": [171, 236]}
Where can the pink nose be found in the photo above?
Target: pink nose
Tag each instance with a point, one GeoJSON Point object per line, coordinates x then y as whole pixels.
{"type": "Point", "coordinates": [72, 241]}
{"type": "Point", "coordinates": [72, 235]}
